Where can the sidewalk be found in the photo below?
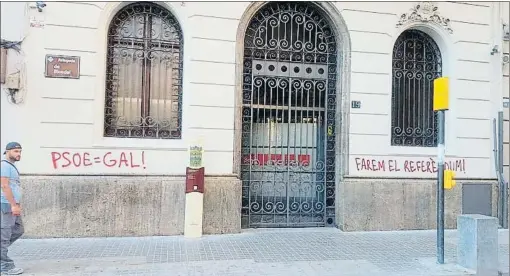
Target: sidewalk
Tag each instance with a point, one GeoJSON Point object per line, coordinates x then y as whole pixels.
{"type": "Point", "coordinates": [296, 252]}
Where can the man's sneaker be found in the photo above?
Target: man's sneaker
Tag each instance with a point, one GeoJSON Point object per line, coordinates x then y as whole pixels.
{"type": "Point", "coordinates": [13, 271]}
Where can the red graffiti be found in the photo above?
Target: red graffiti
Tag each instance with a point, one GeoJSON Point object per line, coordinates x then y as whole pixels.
{"type": "Point", "coordinates": [265, 159]}
{"type": "Point", "coordinates": [84, 159]}
{"type": "Point", "coordinates": [409, 166]}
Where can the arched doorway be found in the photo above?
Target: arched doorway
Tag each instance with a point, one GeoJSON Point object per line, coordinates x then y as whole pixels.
{"type": "Point", "coordinates": [289, 102]}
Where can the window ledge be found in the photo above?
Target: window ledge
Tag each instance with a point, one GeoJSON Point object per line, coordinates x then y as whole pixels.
{"type": "Point", "coordinates": [141, 144]}
{"type": "Point", "coordinates": [412, 151]}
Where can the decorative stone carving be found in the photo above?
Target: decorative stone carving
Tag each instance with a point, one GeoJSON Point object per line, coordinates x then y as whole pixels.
{"type": "Point", "coordinates": [425, 12]}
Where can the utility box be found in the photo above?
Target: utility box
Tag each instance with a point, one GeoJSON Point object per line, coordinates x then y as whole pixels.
{"type": "Point", "coordinates": [194, 207]}
{"type": "Point", "coordinates": [195, 180]}
{"type": "Point", "coordinates": [477, 199]}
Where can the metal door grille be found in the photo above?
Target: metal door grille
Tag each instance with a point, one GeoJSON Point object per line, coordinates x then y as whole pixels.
{"type": "Point", "coordinates": [288, 127]}
{"type": "Point", "coordinates": [416, 63]}
{"type": "Point", "coordinates": [144, 74]}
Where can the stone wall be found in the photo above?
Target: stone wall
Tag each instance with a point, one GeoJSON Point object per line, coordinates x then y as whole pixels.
{"type": "Point", "coordinates": [398, 204]}
{"type": "Point", "coordinates": [87, 206]}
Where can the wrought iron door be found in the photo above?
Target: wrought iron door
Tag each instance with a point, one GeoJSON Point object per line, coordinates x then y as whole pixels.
{"type": "Point", "coordinates": [288, 127]}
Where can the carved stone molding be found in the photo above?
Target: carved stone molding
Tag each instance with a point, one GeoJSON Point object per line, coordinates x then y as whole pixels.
{"type": "Point", "coordinates": [426, 12]}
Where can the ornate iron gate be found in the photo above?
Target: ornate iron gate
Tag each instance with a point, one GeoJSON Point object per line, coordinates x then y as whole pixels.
{"type": "Point", "coordinates": [288, 127]}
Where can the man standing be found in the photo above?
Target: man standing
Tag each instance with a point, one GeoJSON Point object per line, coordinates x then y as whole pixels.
{"type": "Point", "coordinates": [12, 225]}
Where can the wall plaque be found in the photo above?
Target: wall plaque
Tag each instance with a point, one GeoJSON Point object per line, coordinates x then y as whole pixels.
{"type": "Point", "coordinates": [356, 104]}
{"type": "Point", "coordinates": [66, 67]}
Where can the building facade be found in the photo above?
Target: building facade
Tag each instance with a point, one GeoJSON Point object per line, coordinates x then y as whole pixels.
{"type": "Point", "coordinates": [311, 114]}
{"type": "Point", "coordinates": [506, 100]}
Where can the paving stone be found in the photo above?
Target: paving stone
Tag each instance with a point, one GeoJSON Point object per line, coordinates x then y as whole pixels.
{"type": "Point", "coordinates": [273, 252]}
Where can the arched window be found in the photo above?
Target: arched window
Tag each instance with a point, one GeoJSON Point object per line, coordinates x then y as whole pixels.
{"type": "Point", "coordinates": [416, 63]}
{"type": "Point", "coordinates": [144, 74]}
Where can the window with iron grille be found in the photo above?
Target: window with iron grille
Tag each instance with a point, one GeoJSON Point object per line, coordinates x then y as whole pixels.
{"type": "Point", "coordinates": [416, 63]}
{"type": "Point", "coordinates": [144, 74]}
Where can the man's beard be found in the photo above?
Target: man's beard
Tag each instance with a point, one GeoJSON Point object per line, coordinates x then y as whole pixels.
{"type": "Point", "coordinates": [14, 159]}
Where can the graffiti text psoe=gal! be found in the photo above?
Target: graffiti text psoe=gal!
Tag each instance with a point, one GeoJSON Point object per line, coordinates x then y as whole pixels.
{"type": "Point", "coordinates": [84, 159]}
